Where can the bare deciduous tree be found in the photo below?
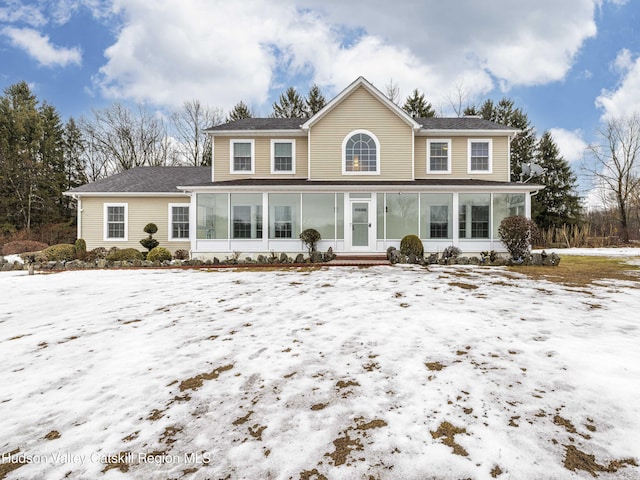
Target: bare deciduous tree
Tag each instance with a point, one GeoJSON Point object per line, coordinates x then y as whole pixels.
{"type": "Point", "coordinates": [189, 125]}
{"type": "Point", "coordinates": [123, 139]}
{"type": "Point", "coordinates": [392, 91]}
{"type": "Point", "coordinates": [615, 165]}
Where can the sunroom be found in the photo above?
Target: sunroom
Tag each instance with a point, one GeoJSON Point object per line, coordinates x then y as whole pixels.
{"type": "Point", "coordinates": [351, 219]}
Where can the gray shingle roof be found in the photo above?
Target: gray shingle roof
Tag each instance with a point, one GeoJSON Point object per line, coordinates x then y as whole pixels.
{"type": "Point", "coordinates": [435, 123]}
{"type": "Point", "coordinates": [260, 124]}
{"type": "Point", "coordinates": [460, 123]}
{"type": "Point", "coordinates": [148, 179]}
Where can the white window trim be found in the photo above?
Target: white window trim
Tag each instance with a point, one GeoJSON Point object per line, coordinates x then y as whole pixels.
{"type": "Point", "coordinates": [170, 237]}
{"type": "Point", "coordinates": [480, 140]}
{"type": "Point", "coordinates": [293, 156]}
{"type": "Point", "coordinates": [253, 156]}
{"type": "Point", "coordinates": [439, 140]}
{"type": "Point", "coordinates": [105, 230]}
{"type": "Point", "coordinates": [344, 153]}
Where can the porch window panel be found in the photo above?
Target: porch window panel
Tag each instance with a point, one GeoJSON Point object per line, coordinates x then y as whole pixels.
{"type": "Point", "coordinates": [319, 213]}
{"type": "Point", "coordinates": [380, 216]}
{"type": "Point", "coordinates": [340, 216]}
{"type": "Point", "coordinates": [437, 215]}
{"type": "Point", "coordinates": [246, 215]}
{"type": "Point", "coordinates": [212, 216]}
{"type": "Point", "coordinates": [284, 215]}
{"type": "Point", "coordinates": [506, 205]}
{"type": "Point", "coordinates": [474, 215]}
{"type": "Point", "coordinates": [401, 214]}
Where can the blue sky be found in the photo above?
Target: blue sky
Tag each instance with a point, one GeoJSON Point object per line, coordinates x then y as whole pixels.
{"type": "Point", "coordinates": [568, 63]}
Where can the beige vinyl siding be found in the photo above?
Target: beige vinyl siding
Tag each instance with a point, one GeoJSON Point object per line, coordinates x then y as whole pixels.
{"type": "Point", "coordinates": [460, 159]}
{"type": "Point", "coordinates": [361, 111]}
{"type": "Point", "coordinates": [262, 166]}
{"type": "Point", "coordinates": [141, 210]}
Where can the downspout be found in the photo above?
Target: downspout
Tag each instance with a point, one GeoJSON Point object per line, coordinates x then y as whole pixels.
{"type": "Point", "coordinates": [78, 199]}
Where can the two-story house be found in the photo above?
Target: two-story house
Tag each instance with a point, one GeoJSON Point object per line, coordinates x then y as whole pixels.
{"type": "Point", "coordinates": [361, 171]}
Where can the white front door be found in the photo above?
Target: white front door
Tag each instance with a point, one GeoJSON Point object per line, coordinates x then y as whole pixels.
{"type": "Point", "coordinates": [361, 229]}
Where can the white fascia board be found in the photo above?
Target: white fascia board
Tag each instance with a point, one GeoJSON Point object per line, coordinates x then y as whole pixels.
{"type": "Point", "coordinates": [383, 187]}
{"type": "Point", "coordinates": [466, 133]}
{"type": "Point", "coordinates": [258, 133]}
{"type": "Point", "coordinates": [125, 194]}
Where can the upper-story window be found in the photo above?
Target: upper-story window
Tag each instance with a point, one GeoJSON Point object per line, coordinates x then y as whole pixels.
{"type": "Point", "coordinates": [283, 153]}
{"type": "Point", "coordinates": [242, 156]}
{"type": "Point", "coordinates": [361, 151]}
{"type": "Point", "coordinates": [480, 152]}
{"type": "Point", "coordinates": [438, 156]}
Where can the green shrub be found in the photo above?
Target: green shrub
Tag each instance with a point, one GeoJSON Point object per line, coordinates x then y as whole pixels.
{"type": "Point", "coordinates": [99, 253]}
{"type": "Point", "coordinates": [60, 252]}
{"type": "Point", "coordinates": [159, 254]}
{"type": "Point", "coordinates": [150, 243]}
{"type": "Point", "coordinates": [181, 254]}
{"type": "Point", "coordinates": [21, 246]}
{"type": "Point", "coordinates": [518, 234]}
{"type": "Point", "coordinates": [411, 244]}
{"type": "Point", "coordinates": [451, 252]}
{"type": "Point", "coordinates": [126, 254]}
{"type": "Point", "coordinates": [81, 248]}
{"type": "Point", "coordinates": [310, 237]}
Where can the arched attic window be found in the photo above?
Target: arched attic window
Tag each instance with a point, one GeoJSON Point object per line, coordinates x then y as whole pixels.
{"type": "Point", "coordinates": [361, 151]}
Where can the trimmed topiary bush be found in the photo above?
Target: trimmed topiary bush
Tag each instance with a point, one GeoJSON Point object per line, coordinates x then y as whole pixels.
{"type": "Point", "coordinates": [60, 252]}
{"type": "Point", "coordinates": [310, 237]}
{"type": "Point", "coordinates": [518, 234]}
{"type": "Point", "coordinates": [150, 243]}
{"type": "Point", "coordinates": [22, 246]}
{"type": "Point", "coordinates": [159, 254]}
{"type": "Point", "coordinates": [81, 249]}
{"type": "Point", "coordinates": [411, 244]}
{"type": "Point", "coordinates": [125, 254]}
{"type": "Point", "coordinates": [181, 254]}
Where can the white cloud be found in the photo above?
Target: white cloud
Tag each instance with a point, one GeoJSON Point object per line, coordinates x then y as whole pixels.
{"type": "Point", "coordinates": [15, 11]}
{"type": "Point", "coordinates": [625, 99]}
{"type": "Point", "coordinates": [570, 143]}
{"type": "Point", "coordinates": [224, 52]}
{"type": "Point", "coordinates": [41, 49]}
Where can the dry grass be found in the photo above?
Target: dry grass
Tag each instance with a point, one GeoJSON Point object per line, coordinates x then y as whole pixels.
{"type": "Point", "coordinates": [583, 271]}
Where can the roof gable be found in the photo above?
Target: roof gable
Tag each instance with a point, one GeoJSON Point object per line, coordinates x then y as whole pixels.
{"type": "Point", "coordinates": [362, 82]}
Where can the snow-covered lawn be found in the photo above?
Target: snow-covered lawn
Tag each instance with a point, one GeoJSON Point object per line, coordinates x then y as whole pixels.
{"type": "Point", "coordinates": [339, 373]}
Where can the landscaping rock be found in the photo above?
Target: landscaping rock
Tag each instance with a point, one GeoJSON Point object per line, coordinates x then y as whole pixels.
{"type": "Point", "coordinates": [75, 265]}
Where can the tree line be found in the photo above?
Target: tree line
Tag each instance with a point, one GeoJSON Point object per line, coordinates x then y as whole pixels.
{"type": "Point", "coordinates": [41, 157]}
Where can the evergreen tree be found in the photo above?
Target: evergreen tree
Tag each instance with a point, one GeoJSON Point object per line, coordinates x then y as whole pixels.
{"type": "Point", "coordinates": [417, 106]}
{"type": "Point", "coordinates": [315, 101]}
{"type": "Point", "coordinates": [290, 105]}
{"type": "Point", "coordinates": [523, 145]}
{"type": "Point", "coordinates": [33, 172]}
{"type": "Point", "coordinates": [557, 203]}
{"type": "Point", "coordinates": [238, 112]}
{"type": "Point", "coordinates": [74, 160]}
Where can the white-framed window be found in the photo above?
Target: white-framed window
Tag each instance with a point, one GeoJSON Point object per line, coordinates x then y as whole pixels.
{"type": "Point", "coordinates": [480, 152]}
{"type": "Point", "coordinates": [283, 156]}
{"type": "Point", "coordinates": [439, 156]}
{"type": "Point", "coordinates": [361, 153]}
{"type": "Point", "coordinates": [116, 221]}
{"type": "Point", "coordinates": [178, 221]}
{"type": "Point", "coordinates": [242, 156]}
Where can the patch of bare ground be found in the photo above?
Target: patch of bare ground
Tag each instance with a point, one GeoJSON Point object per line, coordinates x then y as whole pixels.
{"type": "Point", "coordinates": [168, 434]}
{"type": "Point", "coordinates": [155, 415]}
{"type": "Point", "coordinates": [8, 467]}
{"type": "Point", "coordinates": [241, 420]}
{"type": "Point", "coordinates": [434, 366]}
{"type": "Point", "coordinates": [447, 432]}
{"type": "Point", "coordinates": [496, 471]}
{"type": "Point", "coordinates": [319, 406]}
{"type": "Point", "coordinates": [582, 271]}
{"type": "Point", "coordinates": [575, 459]}
{"type": "Point", "coordinates": [312, 475]}
{"type": "Point", "coordinates": [118, 461]}
{"type": "Point", "coordinates": [346, 444]}
{"type": "Point", "coordinates": [52, 435]}
{"type": "Point", "coordinates": [464, 286]}
{"type": "Point", "coordinates": [196, 382]}
{"type": "Point", "coordinates": [256, 431]}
